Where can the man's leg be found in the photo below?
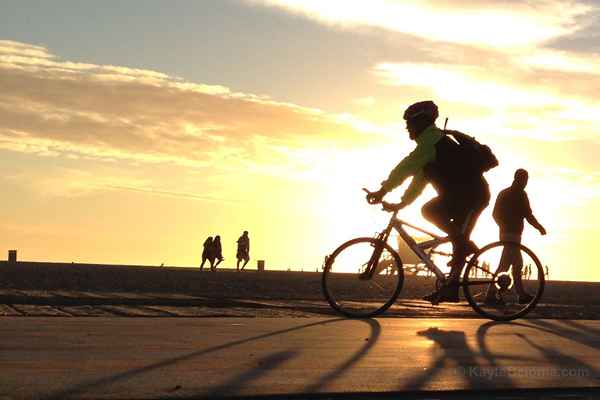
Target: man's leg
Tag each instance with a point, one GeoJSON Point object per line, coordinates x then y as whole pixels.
{"type": "Point", "coordinates": [503, 266]}
{"type": "Point", "coordinates": [517, 271]}
{"type": "Point", "coordinates": [468, 208]}
{"type": "Point", "coordinates": [438, 212]}
{"type": "Point", "coordinates": [246, 259]}
{"type": "Point", "coordinates": [445, 213]}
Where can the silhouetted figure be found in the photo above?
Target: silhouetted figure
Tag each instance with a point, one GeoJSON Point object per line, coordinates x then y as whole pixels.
{"type": "Point", "coordinates": [243, 250]}
{"type": "Point", "coordinates": [511, 209]}
{"type": "Point", "coordinates": [463, 192]}
{"type": "Point", "coordinates": [217, 251]}
{"type": "Point", "coordinates": [208, 253]}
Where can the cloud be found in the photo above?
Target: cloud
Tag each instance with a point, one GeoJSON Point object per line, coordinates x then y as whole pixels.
{"type": "Point", "coordinates": [547, 105]}
{"type": "Point", "coordinates": [510, 76]}
{"type": "Point", "coordinates": [496, 24]}
{"type": "Point", "coordinates": [183, 195]}
{"type": "Point", "coordinates": [53, 107]}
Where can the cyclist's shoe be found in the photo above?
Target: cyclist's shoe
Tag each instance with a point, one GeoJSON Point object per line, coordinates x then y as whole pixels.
{"type": "Point", "coordinates": [432, 297]}
{"type": "Point", "coordinates": [525, 298]}
{"type": "Point", "coordinates": [448, 293]}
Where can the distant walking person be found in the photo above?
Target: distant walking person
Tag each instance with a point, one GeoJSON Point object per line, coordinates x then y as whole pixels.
{"type": "Point", "coordinates": [217, 251]}
{"type": "Point", "coordinates": [243, 250]}
{"type": "Point", "coordinates": [512, 207]}
{"type": "Point", "coordinates": [207, 253]}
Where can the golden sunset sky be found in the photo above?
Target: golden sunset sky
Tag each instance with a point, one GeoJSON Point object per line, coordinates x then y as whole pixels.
{"type": "Point", "coordinates": [129, 132]}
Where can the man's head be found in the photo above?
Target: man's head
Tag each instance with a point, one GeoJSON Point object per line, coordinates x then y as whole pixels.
{"type": "Point", "coordinates": [419, 116]}
{"type": "Point", "coordinates": [245, 233]}
{"type": "Point", "coordinates": [521, 178]}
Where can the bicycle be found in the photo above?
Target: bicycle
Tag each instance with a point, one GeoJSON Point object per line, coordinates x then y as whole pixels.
{"type": "Point", "coordinates": [364, 276]}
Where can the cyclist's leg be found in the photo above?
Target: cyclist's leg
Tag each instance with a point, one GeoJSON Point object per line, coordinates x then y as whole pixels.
{"type": "Point", "coordinates": [436, 212]}
{"type": "Point", "coordinates": [467, 204]}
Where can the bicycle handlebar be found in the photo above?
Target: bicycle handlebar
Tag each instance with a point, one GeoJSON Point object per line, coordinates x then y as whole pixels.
{"type": "Point", "coordinates": [370, 201]}
{"type": "Point", "coordinates": [383, 203]}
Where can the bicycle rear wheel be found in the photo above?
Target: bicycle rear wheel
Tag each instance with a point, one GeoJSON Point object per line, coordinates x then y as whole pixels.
{"type": "Point", "coordinates": [352, 296]}
{"type": "Point", "coordinates": [503, 281]}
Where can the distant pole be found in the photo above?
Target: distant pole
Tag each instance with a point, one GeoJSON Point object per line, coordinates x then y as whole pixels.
{"type": "Point", "coordinates": [12, 256]}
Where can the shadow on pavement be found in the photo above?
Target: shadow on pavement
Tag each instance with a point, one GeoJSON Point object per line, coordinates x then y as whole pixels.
{"type": "Point", "coordinates": [235, 383]}
{"type": "Point", "coordinates": [457, 357]}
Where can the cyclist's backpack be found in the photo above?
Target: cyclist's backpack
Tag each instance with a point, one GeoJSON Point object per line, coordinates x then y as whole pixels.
{"type": "Point", "coordinates": [475, 158]}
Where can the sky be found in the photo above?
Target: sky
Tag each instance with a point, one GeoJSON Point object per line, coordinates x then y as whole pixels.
{"type": "Point", "coordinates": [131, 131]}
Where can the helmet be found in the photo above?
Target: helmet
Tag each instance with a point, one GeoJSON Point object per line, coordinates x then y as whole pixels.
{"type": "Point", "coordinates": [422, 108]}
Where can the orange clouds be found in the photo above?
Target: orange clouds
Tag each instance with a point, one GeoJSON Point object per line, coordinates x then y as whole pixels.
{"type": "Point", "coordinates": [49, 106]}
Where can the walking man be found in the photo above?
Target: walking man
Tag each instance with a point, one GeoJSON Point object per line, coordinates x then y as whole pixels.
{"type": "Point", "coordinates": [243, 250]}
{"type": "Point", "coordinates": [511, 209]}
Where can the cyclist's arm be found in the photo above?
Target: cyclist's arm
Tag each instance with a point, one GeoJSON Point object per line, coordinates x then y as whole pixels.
{"type": "Point", "coordinates": [416, 187]}
{"type": "Point", "coordinates": [410, 166]}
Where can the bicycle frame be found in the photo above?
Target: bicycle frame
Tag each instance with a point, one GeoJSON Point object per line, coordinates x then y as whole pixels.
{"type": "Point", "coordinates": [417, 248]}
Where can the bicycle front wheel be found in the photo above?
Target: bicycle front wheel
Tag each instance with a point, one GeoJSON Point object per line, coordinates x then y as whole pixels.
{"type": "Point", "coordinates": [503, 281]}
{"type": "Point", "coordinates": [349, 290]}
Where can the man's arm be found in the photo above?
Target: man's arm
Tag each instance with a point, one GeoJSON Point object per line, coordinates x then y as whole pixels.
{"type": "Point", "coordinates": [531, 218]}
{"type": "Point", "coordinates": [409, 166]}
{"type": "Point", "coordinates": [416, 187]}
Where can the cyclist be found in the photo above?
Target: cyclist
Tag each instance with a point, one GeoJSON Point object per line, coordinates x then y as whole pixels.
{"type": "Point", "coordinates": [462, 194]}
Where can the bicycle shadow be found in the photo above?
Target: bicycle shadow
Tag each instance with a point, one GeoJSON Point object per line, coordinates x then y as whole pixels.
{"type": "Point", "coordinates": [456, 358]}
{"type": "Point", "coordinates": [579, 334]}
{"type": "Point", "coordinates": [231, 386]}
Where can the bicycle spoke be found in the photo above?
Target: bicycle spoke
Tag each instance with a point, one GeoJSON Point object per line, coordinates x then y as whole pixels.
{"type": "Point", "coordinates": [348, 286]}
{"type": "Point", "coordinates": [504, 282]}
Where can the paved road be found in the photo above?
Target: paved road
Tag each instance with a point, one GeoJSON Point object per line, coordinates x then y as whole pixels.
{"type": "Point", "coordinates": [182, 357]}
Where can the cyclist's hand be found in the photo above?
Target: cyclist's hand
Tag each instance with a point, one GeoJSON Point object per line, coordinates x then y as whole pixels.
{"type": "Point", "coordinates": [375, 197]}
{"type": "Point", "coordinates": [391, 207]}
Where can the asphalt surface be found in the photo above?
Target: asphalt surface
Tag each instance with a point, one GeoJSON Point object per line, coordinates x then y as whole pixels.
{"type": "Point", "coordinates": [134, 358]}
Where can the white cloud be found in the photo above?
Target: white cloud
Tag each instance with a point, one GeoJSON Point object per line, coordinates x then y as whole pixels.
{"type": "Point", "coordinates": [486, 23]}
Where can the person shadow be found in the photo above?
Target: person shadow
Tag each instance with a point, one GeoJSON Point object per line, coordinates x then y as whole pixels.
{"type": "Point", "coordinates": [565, 329]}
{"type": "Point", "coordinates": [453, 357]}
